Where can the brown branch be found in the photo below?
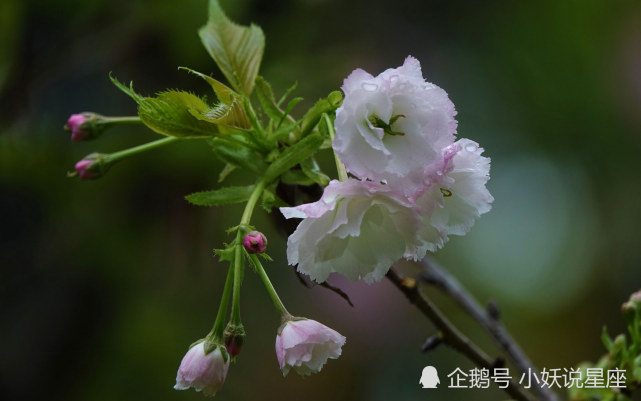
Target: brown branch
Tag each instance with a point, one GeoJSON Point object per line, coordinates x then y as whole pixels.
{"type": "Point", "coordinates": [435, 275]}
{"type": "Point", "coordinates": [449, 334]}
{"type": "Point", "coordinates": [309, 284]}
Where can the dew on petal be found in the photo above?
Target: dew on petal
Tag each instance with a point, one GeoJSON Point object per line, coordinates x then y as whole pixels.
{"type": "Point", "coordinates": [439, 172]}
{"type": "Point", "coordinates": [370, 87]}
{"type": "Point", "coordinates": [393, 78]}
{"type": "Point", "coordinates": [470, 147]}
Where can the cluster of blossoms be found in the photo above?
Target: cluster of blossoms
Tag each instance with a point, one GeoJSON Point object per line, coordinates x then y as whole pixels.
{"type": "Point", "coordinates": [414, 184]}
{"type": "Point", "coordinates": [304, 345]}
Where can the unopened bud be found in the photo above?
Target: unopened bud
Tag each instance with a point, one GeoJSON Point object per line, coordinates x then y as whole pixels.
{"type": "Point", "coordinates": [234, 338]}
{"type": "Point", "coordinates": [255, 242]}
{"type": "Point", "coordinates": [85, 126]}
{"type": "Point", "coordinates": [91, 167]}
{"type": "Point", "coordinates": [631, 308]}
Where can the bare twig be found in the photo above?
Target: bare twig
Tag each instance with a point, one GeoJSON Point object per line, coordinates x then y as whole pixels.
{"type": "Point", "coordinates": [433, 274]}
{"type": "Point", "coordinates": [338, 291]}
{"type": "Point", "coordinates": [309, 284]}
{"type": "Point", "coordinates": [450, 335]}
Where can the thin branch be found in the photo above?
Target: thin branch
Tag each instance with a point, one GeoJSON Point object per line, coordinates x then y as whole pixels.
{"type": "Point", "coordinates": [435, 275]}
{"type": "Point", "coordinates": [450, 335]}
{"type": "Point", "coordinates": [309, 284]}
{"type": "Point", "coordinates": [338, 292]}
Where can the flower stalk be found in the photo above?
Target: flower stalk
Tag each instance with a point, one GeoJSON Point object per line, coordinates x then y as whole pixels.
{"type": "Point", "coordinates": [340, 167]}
{"type": "Point", "coordinates": [239, 257]}
{"type": "Point", "coordinates": [216, 333]}
{"type": "Point", "coordinates": [117, 156]}
{"type": "Point", "coordinates": [278, 304]}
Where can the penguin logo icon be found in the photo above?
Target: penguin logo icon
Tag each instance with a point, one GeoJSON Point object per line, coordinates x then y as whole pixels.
{"type": "Point", "coordinates": [429, 378]}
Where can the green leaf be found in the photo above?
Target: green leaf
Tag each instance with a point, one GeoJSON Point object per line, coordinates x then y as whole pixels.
{"type": "Point", "coordinates": [267, 101]}
{"type": "Point", "coordinates": [225, 115]}
{"type": "Point", "coordinates": [223, 92]}
{"type": "Point", "coordinates": [237, 154]}
{"type": "Point", "coordinates": [290, 106]}
{"type": "Point", "coordinates": [171, 113]}
{"type": "Point", "coordinates": [313, 115]}
{"type": "Point", "coordinates": [294, 155]}
{"type": "Point", "coordinates": [310, 169]}
{"type": "Point", "coordinates": [229, 111]}
{"type": "Point", "coordinates": [222, 196]}
{"type": "Point", "coordinates": [226, 254]}
{"type": "Point", "coordinates": [287, 93]}
{"type": "Point", "coordinates": [270, 200]}
{"type": "Point", "coordinates": [236, 49]}
{"type": "Point", "coordinates": [282, 133]}
{"type": "Point", "coordinates": [296, 177]}
{"type": "Point", "coordinates": [225, 172]}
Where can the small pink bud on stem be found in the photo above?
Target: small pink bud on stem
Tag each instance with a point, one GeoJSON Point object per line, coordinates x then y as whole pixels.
{"type": "Point", "coordinates": [82, 168]}
{"type": "Point", "coordinates": [86, 126]}
{"type": "Point", "coordinates": [234, 338]}
{"type": "Point", "coordinates": [76, 124]}
{"type": "Point", "coordinates": [255, 242]}
{"type": "Point", "coordinates": [91, 167]}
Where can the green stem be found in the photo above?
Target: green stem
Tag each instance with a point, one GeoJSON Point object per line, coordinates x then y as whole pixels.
{"type": "Point", "coordinates": [216, 333]}
{"type": "Point", "coordinates": [239, 259]}
{"type": "Point", "coordinates": [121, 120]}
{"type": "Point", "coordinates": [238, 279]}
{"type": "Point", "coordinates": [340, 168]}
{"type": "Point", "coordinates": [251, 202]}
{"type": "Point", "coordinates": [116, 156]}
{"type": "Point", "coordinates": [270, 288]}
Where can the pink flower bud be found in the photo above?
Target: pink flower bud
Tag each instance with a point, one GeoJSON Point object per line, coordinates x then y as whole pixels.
{"type": "Point", "coordinates": [74, 124]}
{"type": "Point", "coordinates": [234, 344]}
{"type": "Point", "coordinates": [234, 338]}
{"type": "Point", "coordinates": [82, 168]}
{"type": "Point", "coordinates": [305, 345]}
{"type": "Point", "coordinates": [204, 371]}
{"type": "Point", "coordinates": [255, 242]}
{"type": "Point", "coordinates": [633, 305]}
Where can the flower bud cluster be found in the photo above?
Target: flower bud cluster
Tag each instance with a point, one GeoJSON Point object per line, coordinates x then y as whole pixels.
{"type": "Point", "coordinates": [414, 184]}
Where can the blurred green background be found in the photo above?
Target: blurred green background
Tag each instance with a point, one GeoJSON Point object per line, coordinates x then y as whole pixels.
{"type": "Point", "coordinates": [104, 284]}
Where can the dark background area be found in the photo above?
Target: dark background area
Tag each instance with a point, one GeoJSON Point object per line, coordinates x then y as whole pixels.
{"type": "Point", "coordinates": [104, 284]}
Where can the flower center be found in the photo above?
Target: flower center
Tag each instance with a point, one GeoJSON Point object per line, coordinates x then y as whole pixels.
{"type": "Point", "coordinates": [377, 122]}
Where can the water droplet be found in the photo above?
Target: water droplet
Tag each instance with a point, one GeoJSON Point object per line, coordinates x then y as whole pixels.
{"type": "Point", "coordinates": [439, 172]}
{"type": "Point", "coordinates": [370, 87]}
{"type": "Point", "coordinates": [470, 147]}
{"type": "Point", "coordinates": [446, 192]}
{"type": "Point", "coordinates": [393, 78]}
